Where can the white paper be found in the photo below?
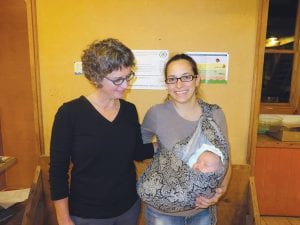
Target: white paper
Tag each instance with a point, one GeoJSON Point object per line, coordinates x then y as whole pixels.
{"type": "Point", "coordinates": [150, 69]}
{"type": "Point", "coordinates": [9, 198]}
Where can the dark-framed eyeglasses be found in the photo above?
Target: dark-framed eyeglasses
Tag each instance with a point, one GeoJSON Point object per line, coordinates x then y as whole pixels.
{"type": "Point", "coordinates": [183, 78]}
{"type": "Point", "coordinates": [119, 81]}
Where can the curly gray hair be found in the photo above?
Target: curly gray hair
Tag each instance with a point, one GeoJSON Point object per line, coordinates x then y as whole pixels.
{"type": "Point", "coordinates": [104, 57]}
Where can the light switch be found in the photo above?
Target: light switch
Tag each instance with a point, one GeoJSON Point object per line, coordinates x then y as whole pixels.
{"type": "Point", "coordinates": [78, 68]}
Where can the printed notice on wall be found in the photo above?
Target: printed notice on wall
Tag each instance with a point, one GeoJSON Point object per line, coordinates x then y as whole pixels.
{"type": "Point", "coordinates": [150, 69]}
{"type": "Point", "coordinates": [212, 66]}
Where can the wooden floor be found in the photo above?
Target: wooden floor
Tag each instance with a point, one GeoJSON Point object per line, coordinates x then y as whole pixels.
{"type": "Point", "coordinates": [270, 220]}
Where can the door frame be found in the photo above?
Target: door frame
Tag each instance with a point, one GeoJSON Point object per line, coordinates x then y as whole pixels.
{"type": "Point", "coordinates": [257, 81]}
{"type": "Point", "coordinates": [35, 72]}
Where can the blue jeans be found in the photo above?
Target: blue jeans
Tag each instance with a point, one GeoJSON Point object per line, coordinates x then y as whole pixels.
{"type": "Point", "coordinates": [155, 218]}
{"type": "Point", "coordinates": [127, 218]}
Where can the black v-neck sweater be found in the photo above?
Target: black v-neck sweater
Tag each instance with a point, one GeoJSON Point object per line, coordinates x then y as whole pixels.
{"type": "Point", "coordinates": [103, 177]}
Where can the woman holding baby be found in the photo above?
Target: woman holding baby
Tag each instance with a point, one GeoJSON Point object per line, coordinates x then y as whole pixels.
{"type": "Point", "coordinates": [177, 119]}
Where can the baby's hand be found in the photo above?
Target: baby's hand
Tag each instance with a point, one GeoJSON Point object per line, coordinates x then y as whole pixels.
{"type": "Point", "coordinates": [202, 202]}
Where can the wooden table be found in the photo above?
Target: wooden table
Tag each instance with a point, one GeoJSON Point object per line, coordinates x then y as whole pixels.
{"type": "Point", "coordinates": [6, 162]}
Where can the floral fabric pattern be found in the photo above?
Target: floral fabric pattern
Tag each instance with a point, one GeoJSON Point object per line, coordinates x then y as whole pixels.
{"type": "Point", "coordinates": [169, 184]}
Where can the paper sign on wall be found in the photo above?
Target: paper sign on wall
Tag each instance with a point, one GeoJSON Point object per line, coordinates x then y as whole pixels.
{"type": "Point", "coordinates": [212, 66]}
{"type": "Point", "coordinates": [150, 69]}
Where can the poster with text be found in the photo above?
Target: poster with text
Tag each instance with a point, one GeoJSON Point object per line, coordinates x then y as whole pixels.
{"type": "Point", "coordinates": [150, 69]}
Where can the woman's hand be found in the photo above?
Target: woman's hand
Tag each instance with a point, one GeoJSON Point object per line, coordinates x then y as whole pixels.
{"type": "Point", "coordinates": [62, 212]}
{"type": "Point", "coordinates": [66, 222]}
{"type": "Point", "coordinates": [202, 202]}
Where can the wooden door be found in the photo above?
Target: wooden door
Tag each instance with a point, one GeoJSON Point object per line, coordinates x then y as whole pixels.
{"type": "Point", "coordinates": [17, 96]}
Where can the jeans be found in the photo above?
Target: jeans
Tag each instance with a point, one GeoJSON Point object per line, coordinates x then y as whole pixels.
{"type": "Point", "coordinates": [155, 218]}
{"type": "Point", "coordinates": [127, 218]}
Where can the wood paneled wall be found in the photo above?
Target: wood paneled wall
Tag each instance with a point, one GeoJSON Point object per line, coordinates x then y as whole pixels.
{"type": "Point", "coordinates": [16, 96]}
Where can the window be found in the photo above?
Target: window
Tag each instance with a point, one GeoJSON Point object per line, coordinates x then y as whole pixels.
{"type": "Point", "coordinates": [280, 79]}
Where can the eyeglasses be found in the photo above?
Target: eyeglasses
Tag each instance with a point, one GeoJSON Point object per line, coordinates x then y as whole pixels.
{"type": "Point", "coordinates": [119, 81]}
{"type": "Point", "coordinates": [183, 78]}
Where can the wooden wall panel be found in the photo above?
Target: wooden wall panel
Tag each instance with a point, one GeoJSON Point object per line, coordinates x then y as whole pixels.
{"type": "Point", "coordinates": [278, 181]}
{"type": "Point", "coordinates": [232, 208]}
{"type": "Point", "coordinates": [16, 96]}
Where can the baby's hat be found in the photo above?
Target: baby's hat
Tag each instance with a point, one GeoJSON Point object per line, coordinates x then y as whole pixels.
{"type": "Point", "coordinates": [203, 148]}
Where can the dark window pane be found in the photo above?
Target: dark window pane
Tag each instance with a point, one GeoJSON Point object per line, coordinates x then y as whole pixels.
{"type": "Point", "coordinates": [277, 75]}
{"type": "Point", "coordinates": [281, 23]}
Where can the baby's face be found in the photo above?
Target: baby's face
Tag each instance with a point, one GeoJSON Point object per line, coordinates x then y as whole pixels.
{"type": "Point", "coordinates": [207, 162]}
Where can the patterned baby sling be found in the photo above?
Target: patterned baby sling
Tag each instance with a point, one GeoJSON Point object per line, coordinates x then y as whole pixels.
{"type": "Point", "coordinates": [169, 184]}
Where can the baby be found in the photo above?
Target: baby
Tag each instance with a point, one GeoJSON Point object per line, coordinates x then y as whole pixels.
{"type": "Point", "coordinates": [206, 159]}
{"type": "Point", "coordinates": [193, 167]}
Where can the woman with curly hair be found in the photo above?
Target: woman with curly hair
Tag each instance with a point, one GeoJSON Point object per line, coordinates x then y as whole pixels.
{"type": "Point", "coordinates": [100, 136]}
